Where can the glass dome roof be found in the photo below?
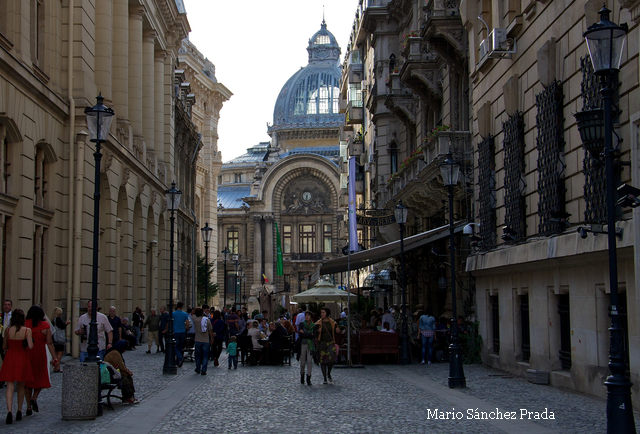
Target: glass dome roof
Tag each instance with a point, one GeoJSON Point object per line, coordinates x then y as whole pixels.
{"type": "Point", "coordinates": [310, 98]}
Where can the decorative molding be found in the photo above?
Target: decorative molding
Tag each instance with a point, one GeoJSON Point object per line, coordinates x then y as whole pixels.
{"type": "Point", "coordinates": [107, 160]}
{"type": "Point", "coordinates": [126, 174]}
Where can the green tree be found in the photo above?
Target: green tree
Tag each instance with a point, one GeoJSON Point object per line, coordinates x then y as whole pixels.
{"type": "Point", "coordinates": [204, 278]}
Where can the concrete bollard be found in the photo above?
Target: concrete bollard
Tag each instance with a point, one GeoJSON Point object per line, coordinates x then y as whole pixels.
{"type": "Point", "coordinates": [80, 391]}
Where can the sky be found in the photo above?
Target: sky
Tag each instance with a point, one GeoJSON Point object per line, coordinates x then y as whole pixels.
{"type": "Point", "coordinates": [256, 46]}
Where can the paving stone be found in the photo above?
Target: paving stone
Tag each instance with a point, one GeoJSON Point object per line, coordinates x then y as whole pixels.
{"type": "Point", "coordinates": [266, 399]}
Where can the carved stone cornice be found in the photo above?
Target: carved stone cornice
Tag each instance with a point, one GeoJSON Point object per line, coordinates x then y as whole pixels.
{"type": "Point", "coordinates": [256, 218]}
{"type": "Point", "coordinates": [404, 107]}
{"type": "Point", "coordinates": [424, 77]}
{"type": "Point", "coordinates": [445, 34]}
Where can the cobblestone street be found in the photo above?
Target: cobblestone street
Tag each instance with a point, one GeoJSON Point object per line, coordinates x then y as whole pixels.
{"type": "Point", "coordinates": [376, 399]}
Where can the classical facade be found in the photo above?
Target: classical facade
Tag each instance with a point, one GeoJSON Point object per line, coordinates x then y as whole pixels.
{"type": "Point", "coordinates": [542, 289]}
{"type": "Point", "coordinates": [406, 102]}
{"type": "Point", "coordinates": [130, 53]}
{"type": "Point", "coordinates": [293, 181]}
{"type": "Point", "coordinates": [500, 92]}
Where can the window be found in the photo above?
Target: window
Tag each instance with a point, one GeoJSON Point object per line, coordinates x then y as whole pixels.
{"type": "Point", "coordinates": [37, 32]}
{"type": "Point", "coordinates": [287, 282]}
{"type": "Point", "coordinates": [393, 157]}
{"type": "Point", "coordinates": [327, 239]}
{"type": "Point", "coordinates": [524, 327]}
{"type": "Point", "coordinates": [565, 331]}
{"type": "Point", "coordinates": [307, 239]}
{"type": "Point", "coordinates": [354, 94]}
{"type": "Point", "coordinates": [238, 177]}
{"type": "Point", "coordinates": [322, 40]}
{"type": "Point", "coordinates": [232, 242]}
{"type": "Point", "coordinates": [495, 315]}
{"type": "Point", "coordinates": [41, 175]}
{"type": "Point", "coordinates": [286, 235]}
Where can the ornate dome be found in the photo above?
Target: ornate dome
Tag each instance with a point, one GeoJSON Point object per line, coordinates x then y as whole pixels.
{"type": "Point", "coordinates": [310, 98]}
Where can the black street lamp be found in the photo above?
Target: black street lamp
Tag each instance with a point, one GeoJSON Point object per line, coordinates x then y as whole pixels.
{"type": "Point", "coordinates": [450, 171]}
{"type": "Point", "coordinates": [173, 202]}
{"type": "Point", "coordinates": [99, 119]}
{"type": "Point", "coordinates": [206, 237]}
{"type": "Point", "coordinates": [401, 212]}
{"type": "Point", "coordinates": [605, 41]}
{"type": "Point", "coordinates": [236, 281]}
{"type": "Point", "coordinates": [225, 256]}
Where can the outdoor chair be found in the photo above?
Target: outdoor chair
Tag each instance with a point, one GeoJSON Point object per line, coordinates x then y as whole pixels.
{"type": "Point", "coordinates": [189, 349]}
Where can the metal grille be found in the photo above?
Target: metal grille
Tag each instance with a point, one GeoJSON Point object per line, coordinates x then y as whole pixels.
{"type": "Point", "coordinates": [495, 313]}
{"type": "Point", "coordinates": [565, 332]}
{"type": "Point", "coordinates": [589, 88]}
{"type": "Point", "coordinates": [524, 327]}
{"type": "Point", "coordinates": [550, 144]}
{"type": "Point", "coordinates": [594, 171]}
{"type": "Point", "coordinates": [513, 183]}
{"type": "Point", "coordinates": [486, 197]}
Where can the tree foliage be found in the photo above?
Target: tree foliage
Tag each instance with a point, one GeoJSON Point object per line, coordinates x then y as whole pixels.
{"type": "Point", "coordinates": [204, 278]}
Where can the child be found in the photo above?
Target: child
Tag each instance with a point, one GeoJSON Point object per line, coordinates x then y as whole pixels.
{"type": "Point", "coordinates": [232, 350]}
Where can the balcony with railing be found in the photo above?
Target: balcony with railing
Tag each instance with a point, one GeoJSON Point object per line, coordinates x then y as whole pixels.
{"type": "Point", "coordinates": [443, 29]}
{"type": "Point", "coordinates": [355, 112]}
{"type": "Point", "coordinates": [316, 256]}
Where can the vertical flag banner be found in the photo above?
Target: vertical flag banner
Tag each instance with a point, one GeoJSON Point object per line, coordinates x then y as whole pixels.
{"type": "Point", "coordinates": [279, 266]}
{"type": "Point", "coordinates": [353, 226]}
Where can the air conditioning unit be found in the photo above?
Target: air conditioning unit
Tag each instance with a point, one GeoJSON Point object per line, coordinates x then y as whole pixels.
{"type": "Point", "coordinates": [498, 45]}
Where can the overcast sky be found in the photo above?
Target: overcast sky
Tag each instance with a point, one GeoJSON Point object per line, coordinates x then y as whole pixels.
{"type": "Point", "coordinates": [256, 47]}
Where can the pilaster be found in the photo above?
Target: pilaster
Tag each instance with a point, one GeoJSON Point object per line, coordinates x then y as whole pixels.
{"type": "Point", "coordinates": [257, 270]}
{"type": "Point", "coordinates": [135, 70]}
{"type": "Point", "coordinates": [148, 114]}
{"type": "Point", "coordinates": [120, 63]}
{"type": "Point", "coordinates": [104, 48]}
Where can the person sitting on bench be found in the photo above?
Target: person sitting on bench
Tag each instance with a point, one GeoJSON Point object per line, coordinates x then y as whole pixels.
{"type": "Point", "coordinates": [114, 357]}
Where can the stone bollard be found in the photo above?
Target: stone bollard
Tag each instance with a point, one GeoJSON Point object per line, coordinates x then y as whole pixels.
{"type": "Point", "coordinates": [80, 391]}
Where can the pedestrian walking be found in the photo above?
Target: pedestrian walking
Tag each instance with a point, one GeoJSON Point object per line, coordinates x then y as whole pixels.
{"type": "Point", "coordinates": [164, 320]}
{"type": "Point", "coordinates": [327, 329]}
{"type": "Point", "coordinates": [105, 333]}
{"type": "Point", "coordinates": [16, 367]}
{"type": "Point", "coordinates": [217, 327]}
{"type": "Point", "coordinates": [306, 332]}
{"type": "Point", "coordinates": [180, 327]}
{"type": "Point", "coordinates": [427, 330]}
{"type": "Point", "coordinates": [203, 340]}
{"type": "Point", "coordinates": [137, 319]}
{"type": "Point", "coordinates": [41, 333]}
{"type": "Point", "coordinates": [153, 323]}
{"type": "Point", "coordinates": [58, 336]}
{"type": "Point", "coordinates": [232, 351]}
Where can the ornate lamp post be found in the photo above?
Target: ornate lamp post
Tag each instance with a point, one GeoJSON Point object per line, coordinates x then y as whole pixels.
{"type": "Point", "coordinates": [206, 237]}
{"type": "Point", "coordinates": [225, 256]}
{"type": "Point", "coordinates": [401, 212]}
{"type": "Point", "coordinates": [99, 119]}
{"type": "Point", "coordinates": [450, 171]}
{"type": "Point", "coordinates": [605, 41]}
{"type": "Point", "coordinates": [236, 281]}
{"type": "Point", "coordinates": [173, 202]}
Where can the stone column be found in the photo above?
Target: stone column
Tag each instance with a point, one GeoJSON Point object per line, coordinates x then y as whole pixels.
{"type": "Point", "coordinates": [268, 248]}
{"type": "Point", "coordinates": [120, 65]}
{"type": "Point", "coordinates": [135, 76]}
{"type": "Point", "coordinates": [104, 48]}
{"type": "Point", "coordinates": [257, 248]}
{"type": "Point", "coordinates": [118, 291]}
{"type": "Point", "coordinates": [148, 102]}
{"type": "Point", "coordinates": [159, 106]}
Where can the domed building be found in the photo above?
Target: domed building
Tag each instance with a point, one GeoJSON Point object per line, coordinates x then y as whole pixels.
{"type": "Point", "coordinates": [293, 181]}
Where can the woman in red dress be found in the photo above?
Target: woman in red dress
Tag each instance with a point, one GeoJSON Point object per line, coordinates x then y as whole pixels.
{"type": "Point", "coordinates": [16, 365]}
{"type": "Point", "coordinates": [38, 355]}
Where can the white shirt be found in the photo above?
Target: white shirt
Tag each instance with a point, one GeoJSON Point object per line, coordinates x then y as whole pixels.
{"type": "Point", "coordinates": [6, 319]}
{"type": "Point", "coordinates": [103, 327]}
{"type": "Point", "coordinates": [387, 317]}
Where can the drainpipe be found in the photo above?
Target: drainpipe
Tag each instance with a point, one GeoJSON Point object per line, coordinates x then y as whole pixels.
{"type": "Point", "coordinates": [72, 311]}
{"type": "Point", "coordinates": [77, 238]}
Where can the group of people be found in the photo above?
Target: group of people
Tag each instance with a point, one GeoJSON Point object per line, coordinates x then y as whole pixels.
{"type": "Point", "coordinates": [25, 339]}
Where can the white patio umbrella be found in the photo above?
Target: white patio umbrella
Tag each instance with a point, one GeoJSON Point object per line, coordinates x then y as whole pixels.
{"type": "Point", "coordinates": [323, 291]}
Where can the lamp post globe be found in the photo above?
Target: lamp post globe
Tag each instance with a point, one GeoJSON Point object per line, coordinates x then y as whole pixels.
{"type": "Point", "coordinates": [99, 118]}
{"type": "Point", "coordinates": [401, 212]}
{"type": "Point", "coordinates": [172, 196]}
{"type": "Point", "coordinates": [450, 171]}
{"type": "Point", "coordinates": [605, 41]}
{"type": "Point", "coordinates": [206, 237]}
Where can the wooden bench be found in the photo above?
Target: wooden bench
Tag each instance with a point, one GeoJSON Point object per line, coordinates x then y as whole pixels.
{"type": "Point", "coordinates": [341, 340]}
{"type": "Point", "coordinates": [380, 343]}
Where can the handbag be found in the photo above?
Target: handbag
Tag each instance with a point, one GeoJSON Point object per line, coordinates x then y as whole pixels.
{"type": "Point", "coordinates": [58, 335]}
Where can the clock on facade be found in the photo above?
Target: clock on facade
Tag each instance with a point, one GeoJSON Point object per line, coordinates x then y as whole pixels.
{"type": "Point", "coordinates": [306, 196]}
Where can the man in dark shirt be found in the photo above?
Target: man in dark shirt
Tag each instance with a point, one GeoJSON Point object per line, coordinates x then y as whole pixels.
{"type": "Point", "coordinates": [232, 322]}
{"type": "Point", "coordinates": [116, 324]}
{"type": "Point", "coordinates": [164, 319]}
{"type": "Point", "coordinates": [276, 337]}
